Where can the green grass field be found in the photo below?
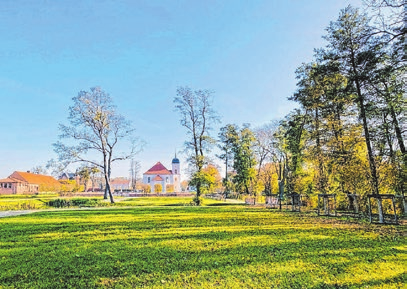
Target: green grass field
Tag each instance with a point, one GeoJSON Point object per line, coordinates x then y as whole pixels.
{"type": "Point", "coordinates": [197, 247]}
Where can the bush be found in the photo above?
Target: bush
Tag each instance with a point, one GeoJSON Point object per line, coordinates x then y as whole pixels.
{"type": "Point", "coordinates": [66, 203]}
{"type": "Point", "coordinates": [158, 188]}
{"type": "Point", "coordinates": [146, 188]}
{"type": "Point", "coordinates": [169, 188]}
{"type": "Point", "coordinates": [196, 201]}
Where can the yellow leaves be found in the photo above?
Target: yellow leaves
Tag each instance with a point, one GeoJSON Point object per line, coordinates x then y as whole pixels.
{"type": "Point", "coordinates": [158, 188]}
{"type": "Point", "coordinates": [209, 179]}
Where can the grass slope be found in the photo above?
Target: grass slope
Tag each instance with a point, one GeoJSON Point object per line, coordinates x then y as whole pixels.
{"type": "Point", "coordinates": [197, 247]}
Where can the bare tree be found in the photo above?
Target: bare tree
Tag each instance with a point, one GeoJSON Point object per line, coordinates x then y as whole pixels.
{"type": "Point", "coordinates": [390, 17]}
{"type": "Point", "coordinates": [197, 116]}
{"type": "Point", "coordinates": [40, 170]}
{"type": "Point", "coordinates": [95, 130]}
{"type": "Point", "coordinates": [135, 168]}
{"type": "Point", "coordinates": [263, 144]}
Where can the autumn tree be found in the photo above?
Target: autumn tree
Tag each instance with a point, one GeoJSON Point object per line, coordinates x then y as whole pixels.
{"type": "Point", "coordinates": [279, 155]}
{"type": "Point", "coordinates": [158, 188]}
{"type": "Point", "coordinates": [225, 144]}
{"type": "Point", "coordinates": [84, 174]}
{"type": "Point", "coordinates": [96, 128]}
{"type": "Point", "coordinates": [209, 179]}
{"type": "Point", "coordinates": [292, 126]}
{"type": "Point", "coordinates": [353, 92]}
{"type": "Point", "coordinates": [197, 117]}
{"type": "Point", "coordinates": [349, 40]}
{"type": "Point", "coordinates": [169, 188]}
{"type": "Point", "coordinates": [94, 171]}
{"type": "Point", "coordinates": [244, 159]}
{"type": "Point", "coordinates": [268, 178]}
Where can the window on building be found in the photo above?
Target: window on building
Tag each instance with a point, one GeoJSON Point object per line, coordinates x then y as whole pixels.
{"type": "Point", "coordinates": [176, 171]}
{"type": "Point", "coordinates": [166, 179]}
{"type": "Point", "coordinates": [148, 180]}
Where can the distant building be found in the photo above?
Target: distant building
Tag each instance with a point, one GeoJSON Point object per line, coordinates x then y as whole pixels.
{"type": "Point", "coordinates": [68, 177]}
{"type": "Point", "coordinates": [27, 183]}
{"type": "Point", "coordinates": [119, 184]}
{"type": "Point", "coordinates": [159, 174]}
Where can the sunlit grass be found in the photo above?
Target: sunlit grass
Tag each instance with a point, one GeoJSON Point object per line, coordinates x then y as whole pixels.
{"type": "Point", "coordinates": [173, 247]}
{"type": "Point", "coordinates": [21, 204]}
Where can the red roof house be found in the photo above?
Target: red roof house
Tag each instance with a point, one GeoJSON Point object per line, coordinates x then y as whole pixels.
{"type": "Point", "coordinates": [28, 183]}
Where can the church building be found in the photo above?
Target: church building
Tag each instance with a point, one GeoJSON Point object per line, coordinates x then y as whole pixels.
{"type": "Point", "coordinates": [159, 174]}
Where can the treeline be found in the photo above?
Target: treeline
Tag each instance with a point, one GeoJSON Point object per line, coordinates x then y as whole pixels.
{"type": "Point", "coordinates": [349, 133]}
{"type": "Point", "coordinates": [346, 136]}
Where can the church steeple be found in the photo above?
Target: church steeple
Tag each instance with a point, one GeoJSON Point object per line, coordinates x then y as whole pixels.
{"type": "Point", "coordinates": [176, 165]}
{"type": "Point", "coordinates": [175, 160]}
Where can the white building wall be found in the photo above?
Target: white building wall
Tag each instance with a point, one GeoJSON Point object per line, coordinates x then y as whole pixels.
{"type": "Point", "coordinates": [173, 179]}
{"type": "Point", "coordinates": [176, 174]}
{"type": "Point", "coordinates": [167, 179]}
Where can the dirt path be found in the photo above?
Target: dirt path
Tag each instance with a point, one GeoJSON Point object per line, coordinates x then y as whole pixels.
{"type": "Point", "coordinates": [14, 213]}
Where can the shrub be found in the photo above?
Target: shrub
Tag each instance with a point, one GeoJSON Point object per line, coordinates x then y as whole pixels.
{"type": "Point", "coordinates": [196, 201]}
{"type": "Point", "coordinates": [81, 202]}
{"type": "Point", "coordinates": [169, 188]}
{"type": "Point", "coordinates": [158, 188]}
{"type": "Point", "coordinates": [146, 188]}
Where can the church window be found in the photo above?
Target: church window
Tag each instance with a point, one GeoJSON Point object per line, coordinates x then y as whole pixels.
{"type": "Point", "coordinates": [148, 180]}
{"type": "Point", "coordinates": [167, 179]}
{"type": "Point", "coordinates": [176, 171]}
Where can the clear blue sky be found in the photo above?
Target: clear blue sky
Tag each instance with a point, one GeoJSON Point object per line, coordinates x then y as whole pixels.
{"type": "Point", "coordinates": [140, 52]}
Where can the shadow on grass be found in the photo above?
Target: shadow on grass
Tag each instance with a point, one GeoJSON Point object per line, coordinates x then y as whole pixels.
{"type": "Point", "coordinates": [84, 262]}
{"type": "Point", "coordinates": [176, 243]}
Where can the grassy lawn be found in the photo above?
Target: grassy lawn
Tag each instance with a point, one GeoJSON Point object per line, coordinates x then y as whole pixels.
{"type": "Point", "coordinates": [221, 246]}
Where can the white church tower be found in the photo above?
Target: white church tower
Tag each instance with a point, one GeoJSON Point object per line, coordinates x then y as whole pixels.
{"type": "Point", "coordinates": [176, 172]}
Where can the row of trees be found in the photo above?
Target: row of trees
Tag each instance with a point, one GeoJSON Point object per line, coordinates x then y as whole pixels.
{"type": "Point", "coordinates": [350, 128]}
{"type": "Point", "coordinates": [348, 134]}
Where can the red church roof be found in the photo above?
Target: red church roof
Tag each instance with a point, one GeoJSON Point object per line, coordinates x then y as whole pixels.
{"type": "Point", "coordinates": [158, 169]}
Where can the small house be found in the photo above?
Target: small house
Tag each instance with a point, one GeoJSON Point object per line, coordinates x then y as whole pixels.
{"type": "Point", "coordinates": [27, 183]}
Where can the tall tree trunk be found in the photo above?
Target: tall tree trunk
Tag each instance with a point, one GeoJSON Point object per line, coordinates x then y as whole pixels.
{"type": "Point", "coordinates": [108, 189]}
{"type": "Point", "coordinates": [337, 130]}
{"type": "Point", "coordinates": [372, 163]}
{"type": "Point", "coordinates": [388, 138]}
{"type": "Point", "coordinates": [396, 125]}
{"type": "Point", "coordinates": [321, 178]}
{"type": "Point", "coordinates": [362, 115]}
